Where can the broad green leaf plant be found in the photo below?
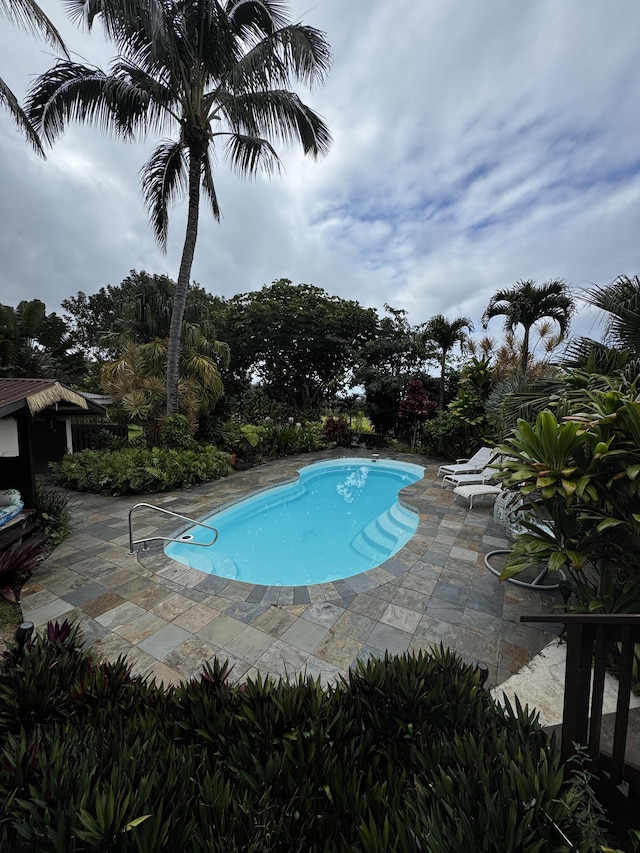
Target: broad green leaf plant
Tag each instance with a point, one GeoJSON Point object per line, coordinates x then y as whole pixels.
{"type": "Point", "coordinates": [580, 479]}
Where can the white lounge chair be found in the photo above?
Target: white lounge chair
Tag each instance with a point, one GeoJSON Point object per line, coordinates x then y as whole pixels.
{"type": "Point", "coordinates": [477, 462]}
{"type": "Point", "coordinates": [477, 490]}
{"type": "Point", "coordinates": [469, 479]}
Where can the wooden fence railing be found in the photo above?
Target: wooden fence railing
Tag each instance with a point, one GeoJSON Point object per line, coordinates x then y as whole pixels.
{"type": "Point", "coordinates": [589, 640]}
{"type": "Point", "coordinates": [93, 435]}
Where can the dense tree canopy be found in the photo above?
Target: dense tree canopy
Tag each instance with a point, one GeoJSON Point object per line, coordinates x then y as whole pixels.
{"type": "Point", "coordinates": [140, 308]}
{"type": "Point", "coordinates": [385, 363]}
{"type": "Point", "coordinates": [215, 76]}
{"type": "Point", "coordinates": [128, 326]}
{"type": "Point", "coordinates": [35, 344]}
{"type": "Point", "coordinates": [299, 342]}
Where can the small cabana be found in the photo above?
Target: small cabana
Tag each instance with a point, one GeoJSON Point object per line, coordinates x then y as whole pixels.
{"type": "Point", "coordinates": [35, 428]}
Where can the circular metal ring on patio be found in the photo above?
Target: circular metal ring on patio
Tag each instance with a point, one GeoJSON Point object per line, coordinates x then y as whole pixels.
{"type": "Point", "coordinates": [536, 583]}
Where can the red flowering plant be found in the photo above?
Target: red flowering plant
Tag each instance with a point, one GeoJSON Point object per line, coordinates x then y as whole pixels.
{"type": "Point", "coordinates": [415, 408]}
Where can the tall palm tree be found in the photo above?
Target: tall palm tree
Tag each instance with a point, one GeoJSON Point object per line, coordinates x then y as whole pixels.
{"type": "Point", "coordinates": [28, 15]}
{"type": "Point", "coordinates": [446, 335]}
{"type": "Point", "coordinates": [209, 71]}
{"type": "Point", "coordinates": [525, 303]}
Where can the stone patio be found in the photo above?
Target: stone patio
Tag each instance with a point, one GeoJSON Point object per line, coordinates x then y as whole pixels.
{"type": "Point", "coordinates": [169, 619]}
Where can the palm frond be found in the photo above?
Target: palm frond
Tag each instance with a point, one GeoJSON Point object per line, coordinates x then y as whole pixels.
{"type": "Point", "coordinates": [152, 91]}
{"type": "Point", "coordinates": [621, 301]}
{"type": "Point", "coordinates": [19, 116]}
{"type": "Point", "coordinates": [250, 154]}
{"type": "Point", "coordinates": [28, 15]}
{"type": "Point", "coordinates": [593, 356]}
{"type": "Point", "coordinates": [121, 20]}
{"type": "Point", "coordinates": [305, 51]}
{"type": "Point", "coordinates": [256, 17]}
{"type": "Point", "coordinates": [208, 184]}
{"type": "Point", "coordinates": [164, 178]}
{"type": "Point", "coordinates": [74, 92]}
{"type": "Point", "coordinates": [292, 53]}
{"type": "Point", "coordinates": [277, 114]}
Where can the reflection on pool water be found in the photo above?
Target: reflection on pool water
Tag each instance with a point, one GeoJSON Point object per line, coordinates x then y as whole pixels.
{"type": "Point", "coordinates": [339, 518]}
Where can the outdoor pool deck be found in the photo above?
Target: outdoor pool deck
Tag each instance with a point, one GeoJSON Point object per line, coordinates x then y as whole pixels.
{"type": "Point", "coordinates": [169, 620]}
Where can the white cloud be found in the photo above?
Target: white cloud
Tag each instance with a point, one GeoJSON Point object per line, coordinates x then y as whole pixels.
{"type": "Point", "coordinates": [475, 144]}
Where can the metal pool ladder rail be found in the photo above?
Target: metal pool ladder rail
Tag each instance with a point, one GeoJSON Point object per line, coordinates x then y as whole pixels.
{"type": "Point", "coordinates": [145, 542]}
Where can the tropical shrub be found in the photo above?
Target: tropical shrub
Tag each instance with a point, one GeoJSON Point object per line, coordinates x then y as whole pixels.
{"type": "Point", "coordinates": [176, 432]}
{"type": "Point", "coordinates": [581, 479]}
{"type": "Point", "coordinates": [139, 470]}
{"type": "Point", "coordinates": [337, 431]}
{"type": "Point", "coordinates": [269, 438]}
{"type": "Point", "coordinates": [445, 437]}
{"type": "Point", "coordinates": [53, 510]}
{"type": "Point", "coordinates": [403, 754]}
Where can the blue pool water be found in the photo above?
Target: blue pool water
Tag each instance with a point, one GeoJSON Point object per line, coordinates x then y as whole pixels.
{"type": "Point", "coordinates": [339, 518]}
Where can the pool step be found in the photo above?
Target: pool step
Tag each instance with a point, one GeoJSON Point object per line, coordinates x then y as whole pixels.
{"type": "Point", "coordinates": [210, 562]}
{"type": "Point", "coordinates": [382, 536]}
{"type": "Point", "coordinates": [400, 519]}
{"type": "Point", "coordinates": [224, 567]}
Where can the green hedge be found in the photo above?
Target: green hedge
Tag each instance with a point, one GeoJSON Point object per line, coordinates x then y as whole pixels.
{"type": "Point", "coordinates": [137, 470]}
{"type": "Point", "coordinates": [406, 754]}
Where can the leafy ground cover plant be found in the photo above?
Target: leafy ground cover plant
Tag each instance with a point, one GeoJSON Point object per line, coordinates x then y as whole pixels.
{"type": "Point", "coordinates": [404, 754]}
{"type": "Point", "coordinates": [139, 470]}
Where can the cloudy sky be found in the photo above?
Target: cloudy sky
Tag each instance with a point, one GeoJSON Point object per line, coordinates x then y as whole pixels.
{"type": "Point", "coordinates": [476, 143]}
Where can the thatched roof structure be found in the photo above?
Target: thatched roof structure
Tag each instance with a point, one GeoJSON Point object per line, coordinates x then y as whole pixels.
{"type": "Point", "coordinates": [36, 395]}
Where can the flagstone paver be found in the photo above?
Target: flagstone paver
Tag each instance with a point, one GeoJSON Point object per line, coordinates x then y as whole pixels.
{"type": "Point", "coordinates": [170, 619]}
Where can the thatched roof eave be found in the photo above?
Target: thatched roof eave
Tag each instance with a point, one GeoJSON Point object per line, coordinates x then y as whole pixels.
{"type": "Point", "coordinates": [56, 393]}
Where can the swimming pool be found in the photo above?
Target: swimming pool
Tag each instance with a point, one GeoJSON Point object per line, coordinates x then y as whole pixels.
{"type": "Point", "coordinates": [340, 518]}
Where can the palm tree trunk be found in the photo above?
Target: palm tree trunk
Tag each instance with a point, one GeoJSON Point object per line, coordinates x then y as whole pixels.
{"type": "Point", "coordinates": [182, 286]}
{"type": "Point", "coordinates": [443, 368]}
{"type": "Point", "coordinates": [525, 350]}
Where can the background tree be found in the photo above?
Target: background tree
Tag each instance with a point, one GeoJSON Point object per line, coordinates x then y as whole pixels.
{"type": "Point", "coordinates": [525, 304]}
{"type": "Point", "coordinates": [211, 72]}
{"type": "Point", "coordinates": [385, 363]}
{"type": "Point", "coordinates": [35, 344]}
{"type": "Point", "coordinates": [299, 342]}
{"type": "Point", "coordinates": [609, 365]}
{"type": "Point", "coordinates": [139, 339]}
{"type": "Point", "coordinates": [140, 306]}
{"type": "Point", "coordinates": [445, 335]}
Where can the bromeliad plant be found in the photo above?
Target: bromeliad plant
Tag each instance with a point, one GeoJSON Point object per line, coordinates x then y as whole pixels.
{"type": "Point", "coordinates": [401, 755]}
{"type": "Point", "coordinates": [581, 480]}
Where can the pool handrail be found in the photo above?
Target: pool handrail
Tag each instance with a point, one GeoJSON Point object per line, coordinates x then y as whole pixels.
{"type": "Point", "coordinates": [144, 542]}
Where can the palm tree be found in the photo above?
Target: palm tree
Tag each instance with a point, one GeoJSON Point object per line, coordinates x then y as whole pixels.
{"type": "Point", "coordinates": [136, 380]}
{"type": "Point", "coordinates": [525, 303]}
{"type": "Point", "coordinates": [28, 15]}
{"type": "Point", "coordinates": [621, 301]}
{"type": "Point", "coordinates": [446, 335]}
{"type": "Point", "coordinates": [210, 71]}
